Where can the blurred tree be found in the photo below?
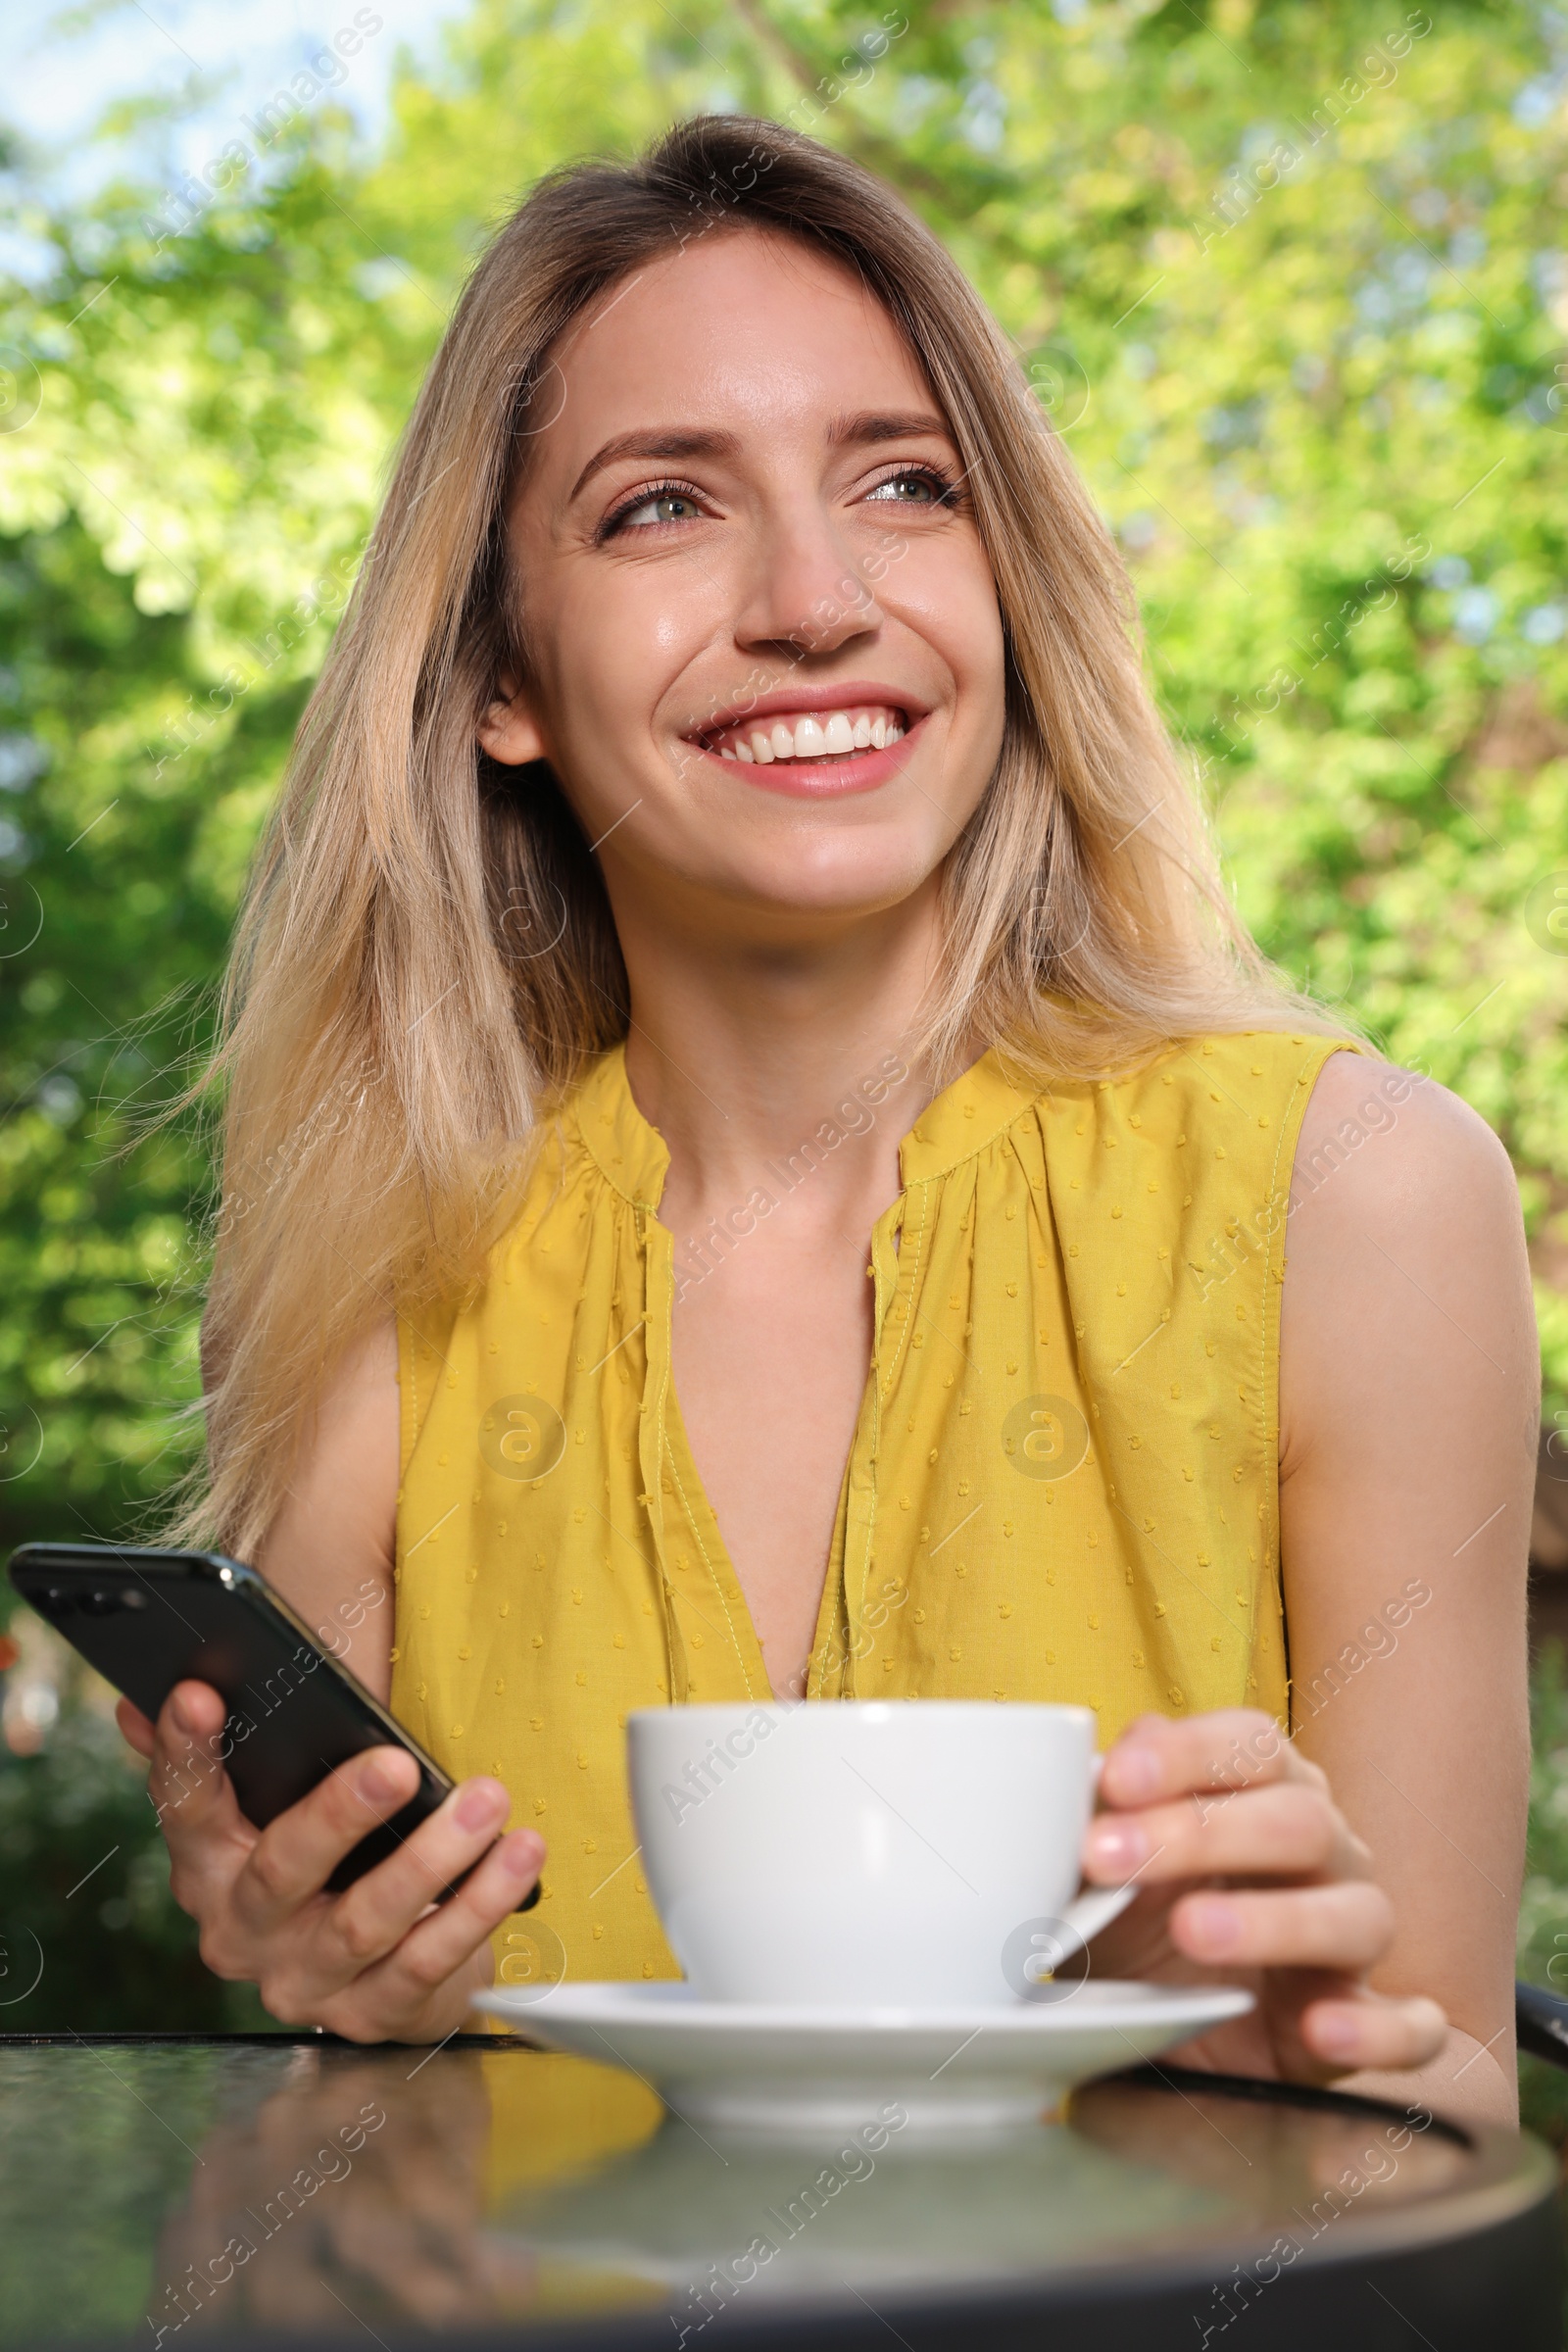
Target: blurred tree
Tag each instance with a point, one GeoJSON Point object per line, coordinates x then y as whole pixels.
{"type": "Point", "coordinates": [1286, 279]}
{"type": "Point", "coordinates": [90, 1937]}
{"type": "Point", "coordinates": [1544, 1910]}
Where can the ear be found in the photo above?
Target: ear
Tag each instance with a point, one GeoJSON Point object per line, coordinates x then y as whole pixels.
{"type": "Point", "coordinates": [508, 730]}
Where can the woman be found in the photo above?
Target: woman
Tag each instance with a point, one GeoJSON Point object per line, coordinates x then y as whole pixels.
{"type": "Point", "coordinates": [736, 930]}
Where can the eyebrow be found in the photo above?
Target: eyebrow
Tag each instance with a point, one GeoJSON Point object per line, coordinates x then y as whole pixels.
{"type": "Point", "coordinates": [861, 430]}
{"type": "Point", "coordinates": [871, 425]}
{"type": "Point", "coordinates": [657, 444]}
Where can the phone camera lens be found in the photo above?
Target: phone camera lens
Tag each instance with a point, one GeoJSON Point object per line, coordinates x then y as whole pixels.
{"type": "Point", "coordinates": [102, 1600]}
{"type": "Point", "coordinates": [57, 1602]}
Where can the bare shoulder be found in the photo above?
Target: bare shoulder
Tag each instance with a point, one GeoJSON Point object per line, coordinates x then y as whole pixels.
{"type": "Point", "coordinates": [1405, 1260]}
{"type": "Point", "coordinates": [1410, 1411]}
{"type": "Point", "coordinates": [333, 1545]}
{"type": "Point", "coordinates": [1380, 1140]}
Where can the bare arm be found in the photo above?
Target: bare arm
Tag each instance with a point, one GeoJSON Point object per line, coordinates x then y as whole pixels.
{"type": "Point", "coordinates": [1361, 1878]}
{"type": "Point", "coordinates": [336, 1531]}
{"type": "Point", "coordinates": [1409, 1410]}
{"type": "Point", "coordinates": [385, 1958]}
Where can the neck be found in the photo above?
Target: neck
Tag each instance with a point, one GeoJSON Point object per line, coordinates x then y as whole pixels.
{"type": "Point", "coordinates": [739, 1052]}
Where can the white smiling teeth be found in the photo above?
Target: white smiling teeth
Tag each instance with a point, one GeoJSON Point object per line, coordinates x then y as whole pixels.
{"type": "Point", "coordinates": [814, 736]}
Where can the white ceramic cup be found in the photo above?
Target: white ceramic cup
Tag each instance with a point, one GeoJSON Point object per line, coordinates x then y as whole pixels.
{"type": "Point", "coordinates": [903, 1854]}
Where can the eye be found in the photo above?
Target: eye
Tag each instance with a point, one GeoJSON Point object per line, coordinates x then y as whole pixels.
{"type": "Point", "coordinates": [914, 486]}
{"type": "Point", "coordinates": [666, 505]}
{"type": "Point", "coordinates": [651, 506]}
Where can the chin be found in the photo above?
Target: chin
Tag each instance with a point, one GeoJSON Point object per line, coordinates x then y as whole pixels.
{"type": "Point", "coordinates": [835, 879]}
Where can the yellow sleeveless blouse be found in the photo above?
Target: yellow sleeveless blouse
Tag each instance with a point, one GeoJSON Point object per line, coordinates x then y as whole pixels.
{"type": "Point", "coordinates": [1064, 1483]}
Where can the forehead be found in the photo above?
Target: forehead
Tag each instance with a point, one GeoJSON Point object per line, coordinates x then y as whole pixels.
{"type": "Point", "coordinates": [754, 334]}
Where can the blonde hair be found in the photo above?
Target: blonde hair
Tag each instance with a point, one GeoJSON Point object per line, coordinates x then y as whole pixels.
{"type": "Point", "coordinates": [426, 957]}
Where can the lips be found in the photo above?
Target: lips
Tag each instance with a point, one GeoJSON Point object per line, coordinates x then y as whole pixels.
{"type": "Point", "coordinates": [814, 739]}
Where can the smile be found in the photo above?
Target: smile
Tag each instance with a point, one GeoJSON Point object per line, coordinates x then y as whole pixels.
{"type": "Point", "coordinates": [809, 735]}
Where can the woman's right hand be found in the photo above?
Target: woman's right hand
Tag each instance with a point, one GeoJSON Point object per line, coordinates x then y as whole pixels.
{"type": "Point", "coordinates": [379, 1962]}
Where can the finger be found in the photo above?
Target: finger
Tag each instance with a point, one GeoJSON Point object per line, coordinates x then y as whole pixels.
{"type": "Point", "coordinates": [137, 1730]}
{"type": "Point", "coordinates": [1345, 1925]}
{"type": "Point", "coordinates": [1287, 1830]}
{"type": "Point", "coordinates": [297, 1853]}
{"type": "Point", "coordinates": [1235, 1747]}
{"type": "Point", "coordinates": [372, 1917]}
{"type": "Point", "coordinates": [440, 1945]}
{"type": "Point", "coordinates": [190, 1790]}
{"type": "Point", "coordinates": [1372, 2032]}
{"type": "Point", "coordinates": [199, 1709]}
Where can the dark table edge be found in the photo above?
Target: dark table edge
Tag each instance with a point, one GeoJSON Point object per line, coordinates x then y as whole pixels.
{"type": "Point", "coordinates": [1261, 2092]}
{"type": "Point", "coordinates": [1010, 2315]}
{"type": "Point", "coordinates": [287, 2038]}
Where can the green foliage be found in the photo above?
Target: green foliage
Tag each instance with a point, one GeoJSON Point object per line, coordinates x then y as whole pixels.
{"type": "Point", "coordinates": [1543, 1911]}
{"type": "Point", "coordinates": [1318, 405]}
{"type": "Point", "coordinates": [115, 943]}
{"type": "Point", "coordinates": [88, 2184]}
{"type": "Point", "coordinates": [90, 1937]}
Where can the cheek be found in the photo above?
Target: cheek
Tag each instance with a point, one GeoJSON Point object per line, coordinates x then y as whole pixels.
{"type": "Point", "coordinates": [947, 596]}
{"type": "Point", "coordinates": [603, 655]}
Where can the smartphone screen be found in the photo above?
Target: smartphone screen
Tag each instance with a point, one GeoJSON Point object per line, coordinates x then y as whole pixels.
{"type": "Point", "coordinates": [149, 1619]}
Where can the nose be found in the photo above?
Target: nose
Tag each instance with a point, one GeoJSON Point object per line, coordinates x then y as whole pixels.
{"type": "Point", "coordinates": [803, 595]}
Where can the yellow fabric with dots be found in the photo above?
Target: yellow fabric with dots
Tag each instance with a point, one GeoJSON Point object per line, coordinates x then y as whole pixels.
{"type": "Point", "coordinates": [1064, 1483]}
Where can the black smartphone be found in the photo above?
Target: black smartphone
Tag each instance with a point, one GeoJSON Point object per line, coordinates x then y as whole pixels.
{"type": "Point", "coordinates": [148, 1620]}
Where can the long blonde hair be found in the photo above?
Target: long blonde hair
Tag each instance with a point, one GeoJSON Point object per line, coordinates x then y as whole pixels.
{"type": "Point", "coordinates": [426, 958]}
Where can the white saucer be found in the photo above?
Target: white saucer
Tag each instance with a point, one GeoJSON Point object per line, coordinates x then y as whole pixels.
{"type": "Point", "coordinates": [806, 2071]}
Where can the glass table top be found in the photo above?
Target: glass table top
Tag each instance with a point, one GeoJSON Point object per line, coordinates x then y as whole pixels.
{"type": "Point", "coordinates": [313, 2187]}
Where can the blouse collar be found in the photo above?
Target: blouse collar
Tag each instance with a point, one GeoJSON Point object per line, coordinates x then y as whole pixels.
{"type": "Point", "coordinates": [962, 1120]}
{"type": "Point", "coordinates": [634, 1157]}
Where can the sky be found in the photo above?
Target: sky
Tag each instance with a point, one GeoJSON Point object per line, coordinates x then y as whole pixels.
{"type": "Point", "coordinates": [61, 66]}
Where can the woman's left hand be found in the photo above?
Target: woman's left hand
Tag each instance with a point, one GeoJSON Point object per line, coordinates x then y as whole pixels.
{"type": "Point", "coordinates": [1250, 1875]}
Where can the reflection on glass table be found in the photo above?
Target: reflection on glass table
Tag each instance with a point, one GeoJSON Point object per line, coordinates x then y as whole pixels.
{"type": "Point", "coordinates": [156, 2191]}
